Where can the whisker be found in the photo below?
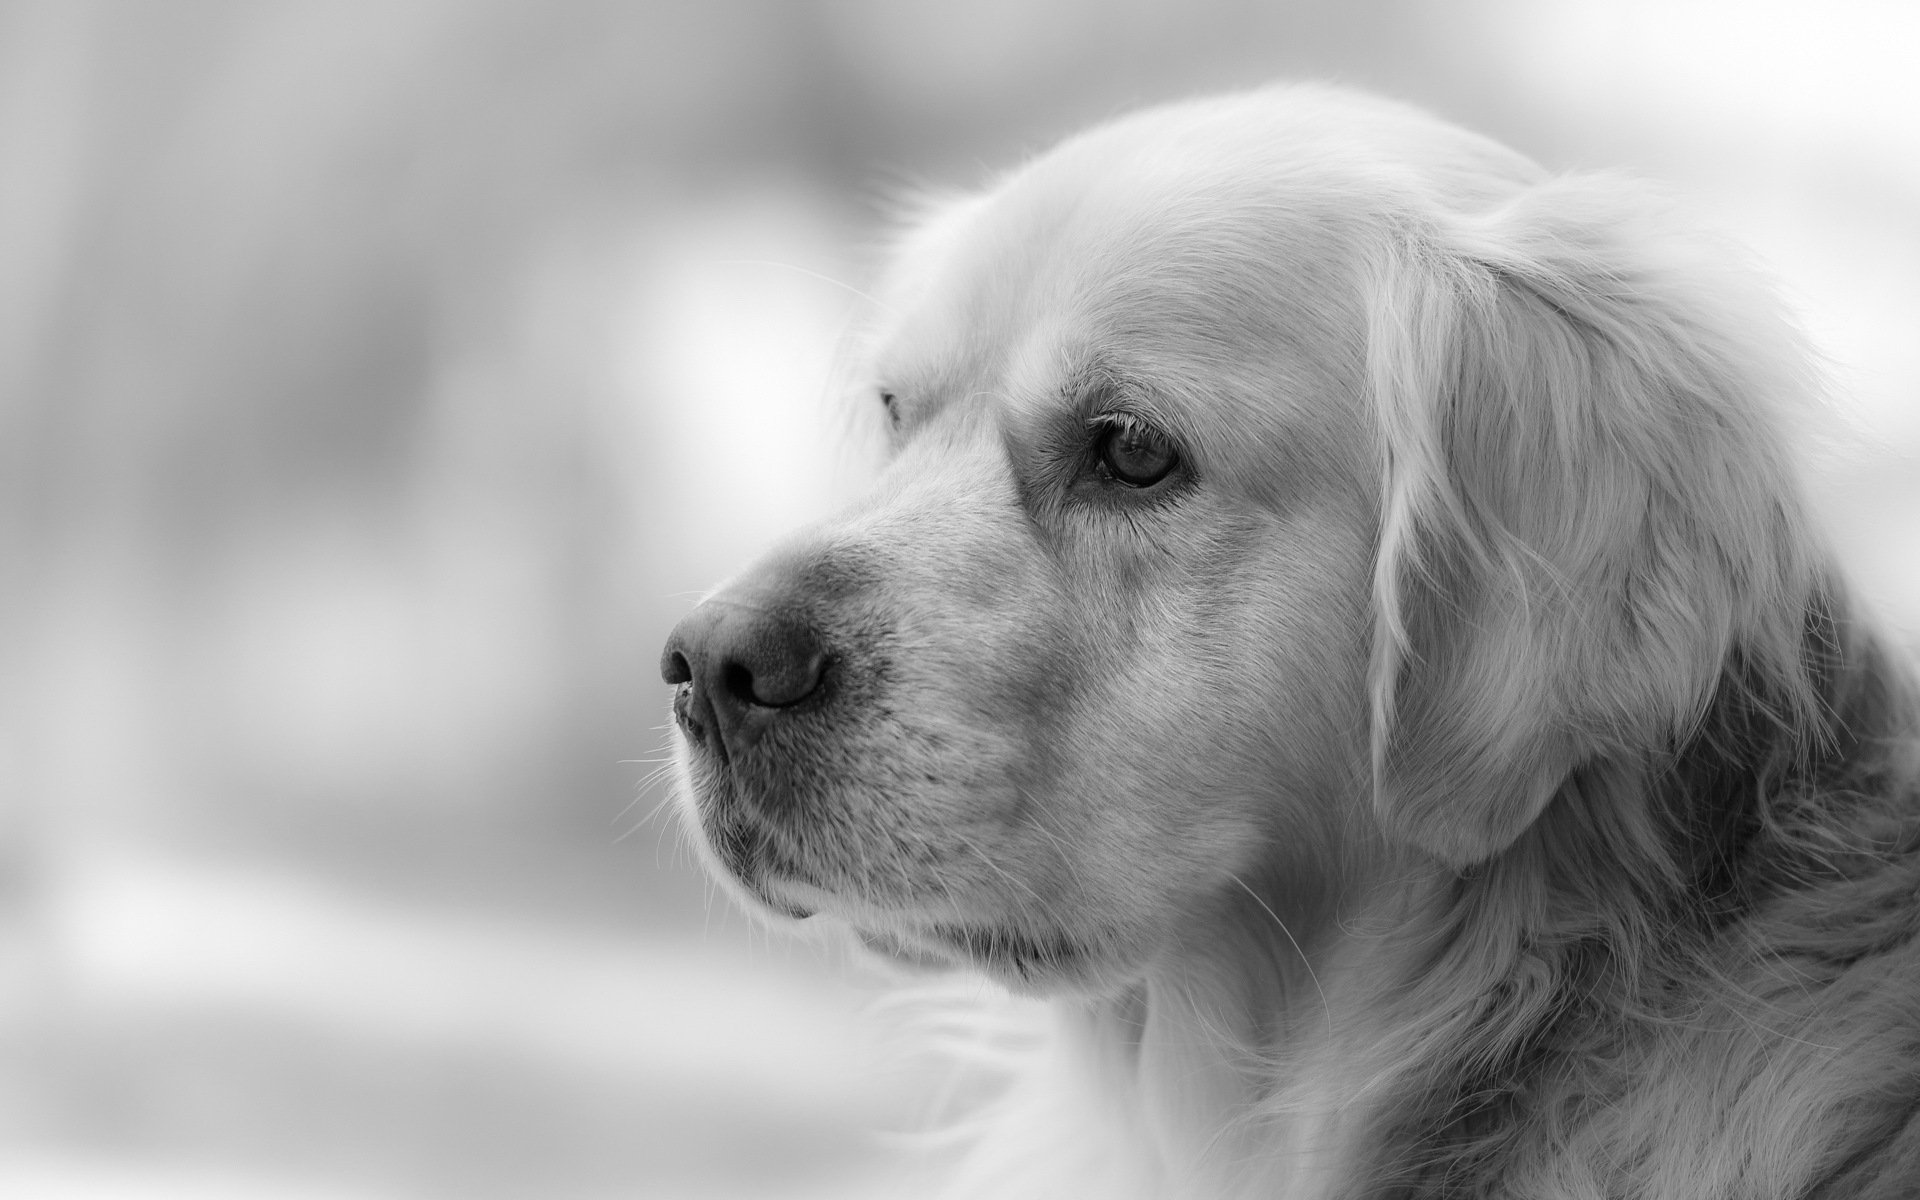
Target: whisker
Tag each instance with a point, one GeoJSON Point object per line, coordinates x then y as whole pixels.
{"type": "Point", "coordinates": [797, 269]}
{"type": "Point", "coordinates": [1324, 1006]}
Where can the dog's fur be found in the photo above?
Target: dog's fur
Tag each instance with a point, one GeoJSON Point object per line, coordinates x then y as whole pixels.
{"type": "Point", "coordinates": [1464, 774]}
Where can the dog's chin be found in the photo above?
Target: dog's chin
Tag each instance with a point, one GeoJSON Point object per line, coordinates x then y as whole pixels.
{"type": "Point", "coordinates": [741, 859]}
{"type": "Point", "coordinates": [1025, 963]}
{"type": "Point", "coordinates": [746, 855]}
{"type": "Point", "coordinates": [902, 951]}
{"type": "Point", "coordinates": [756, 892]}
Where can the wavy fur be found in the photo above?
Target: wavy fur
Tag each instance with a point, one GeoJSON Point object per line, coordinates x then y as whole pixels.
{"type": "Point", "coordinates": [1473, 780]}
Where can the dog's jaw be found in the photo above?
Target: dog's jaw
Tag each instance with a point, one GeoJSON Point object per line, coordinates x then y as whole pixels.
{"type": "Point", "coordinates": [1243, 1059]}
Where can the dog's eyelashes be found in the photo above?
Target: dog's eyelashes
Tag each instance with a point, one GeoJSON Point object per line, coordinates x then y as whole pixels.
{"type": "Point", "coordinates": [1135, 454]}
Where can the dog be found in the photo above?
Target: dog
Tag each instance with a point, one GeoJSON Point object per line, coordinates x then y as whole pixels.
{"type": "Point", "coordinates": [1340, 622]}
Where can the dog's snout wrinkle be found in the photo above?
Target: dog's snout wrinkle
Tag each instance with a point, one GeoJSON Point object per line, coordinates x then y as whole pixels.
{"type": "Point", "coordinates": [737, 665]}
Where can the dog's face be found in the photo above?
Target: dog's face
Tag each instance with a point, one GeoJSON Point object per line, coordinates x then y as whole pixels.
{"type": "Point", "coordinates": [1097, 640]}
{"type": "Point", "coordinates": [1107, 637]}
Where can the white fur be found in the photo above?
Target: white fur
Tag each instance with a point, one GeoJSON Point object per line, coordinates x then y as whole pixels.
{"type": "Point", "coordinates": [1466, 776]}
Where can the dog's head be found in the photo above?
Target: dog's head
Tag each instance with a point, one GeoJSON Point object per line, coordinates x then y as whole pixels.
{"type": "Point", "coordinates": [1280, 485]}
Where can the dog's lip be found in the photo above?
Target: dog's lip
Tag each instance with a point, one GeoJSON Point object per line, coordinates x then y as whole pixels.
{"type": "Point", "coordinates": [751, 856]}
{"type": "Point", "coordinates": [902, 948]}
{"type": "Point", "coordinates": [922, 936]}
{"type": "Point", "coordinates": [990, 946]}
{"type": "Point", "coordinates": [1002, 943]}
{"type": "Point", "coordinates": [745, 848]}
{"type": "Point", "coordinates": [766, 886]}
{"type": "Point", "coordinates": [786, 890]}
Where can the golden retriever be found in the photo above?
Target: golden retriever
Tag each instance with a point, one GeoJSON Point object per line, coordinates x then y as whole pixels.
{"type": "Point", "coordinates": [1340, 619]}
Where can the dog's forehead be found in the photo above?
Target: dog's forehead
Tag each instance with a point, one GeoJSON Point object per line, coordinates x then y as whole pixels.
{"type": "Point", "coordinates": [1202, 275]}
{"type": "Point", "coordinates": [1226, 221]}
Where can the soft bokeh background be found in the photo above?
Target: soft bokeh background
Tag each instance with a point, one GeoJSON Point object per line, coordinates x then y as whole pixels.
{"type": "Point", "coordinates": [380, 381]}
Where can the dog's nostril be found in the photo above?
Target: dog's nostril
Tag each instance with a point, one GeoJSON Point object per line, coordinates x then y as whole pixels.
{"type": "Point", "coordinates": [737, 679]}
{"type": "Point", "coordinates": [674, 668]}
{"type": "Point", "coordinates": [783, 679]}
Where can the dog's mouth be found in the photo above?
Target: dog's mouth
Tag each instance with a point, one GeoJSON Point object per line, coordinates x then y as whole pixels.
{"type": "Point", "coordinates": [1003, 950]}
{"type": "Point", "coordinates": [1015, 956]}
{"type": "Point", "coordinates": [760, 849]}
{"type": "Point", "coordinates": [755, 861]}
{"type": "Point", "coordinates": [754, 858]}
{"type": "Point", "coordinates": [1023, 959]}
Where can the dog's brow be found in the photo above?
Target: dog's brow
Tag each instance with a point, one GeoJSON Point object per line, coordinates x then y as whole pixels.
{"type": "Point", "coordinates": [1102, 386]}
{"type": "Point", "coordinates": [1113, 390]}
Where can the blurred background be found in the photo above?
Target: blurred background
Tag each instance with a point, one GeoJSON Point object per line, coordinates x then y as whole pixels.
{"type": "Point", "coordinates": [380, 381]}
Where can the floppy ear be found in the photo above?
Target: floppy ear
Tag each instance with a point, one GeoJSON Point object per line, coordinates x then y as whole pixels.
{"type": "Point", "coordinates": [1587, 507]}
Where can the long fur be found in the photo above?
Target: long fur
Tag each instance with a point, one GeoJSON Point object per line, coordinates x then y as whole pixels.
{"type": "Point", "coordinates": [1627, 903]}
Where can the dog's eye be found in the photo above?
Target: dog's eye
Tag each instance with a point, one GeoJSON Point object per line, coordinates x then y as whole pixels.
{"type": "Point", "coordinates": [1135, 454]}
{"type": "Point", "coordinates": [887, 402]}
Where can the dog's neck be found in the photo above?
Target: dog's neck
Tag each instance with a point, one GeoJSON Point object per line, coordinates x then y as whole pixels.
{"type": "Point", "coordinates": [1323, 1055]}
{"type": "Point", "coordinates": [1252, 1059]}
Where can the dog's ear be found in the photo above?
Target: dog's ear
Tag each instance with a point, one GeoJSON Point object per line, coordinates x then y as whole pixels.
{"type": "Point", "coordinates": [1587, 507]}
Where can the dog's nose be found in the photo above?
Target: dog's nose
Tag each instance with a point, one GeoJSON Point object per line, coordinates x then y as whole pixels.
{"type": "Point", "coordinates": [737, 665]}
